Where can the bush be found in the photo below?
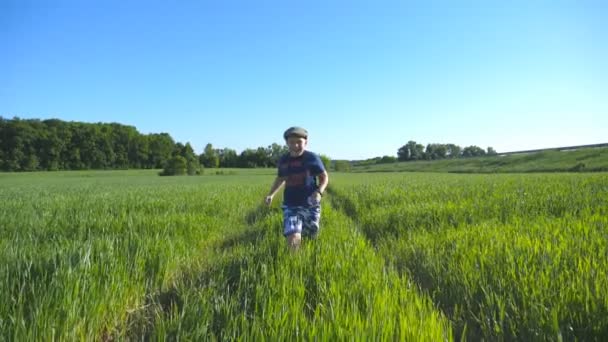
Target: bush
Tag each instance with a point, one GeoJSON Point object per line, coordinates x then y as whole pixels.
{"type": "Point", "coordinates": [579, 167]}
{"type": "Point", "coordinates": [342, 165]}
{"type": "Point", "coordinates": [195, 168]}
{"type": "Point", "coordinates": [326, 161]}
{"type": "Point", "coordinates": [175, 166]}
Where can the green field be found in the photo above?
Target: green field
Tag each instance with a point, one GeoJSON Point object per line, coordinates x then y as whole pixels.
{"type": "Point", "coordinates": [582, 160]}
{"type": "Point", "coordinates": [402, 256]}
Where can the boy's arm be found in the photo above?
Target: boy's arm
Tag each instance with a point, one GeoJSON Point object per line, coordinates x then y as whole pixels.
{"type": "Point", "coordinates": [323, 181]}
{"type": "Point", "coordinates": [278, 182]}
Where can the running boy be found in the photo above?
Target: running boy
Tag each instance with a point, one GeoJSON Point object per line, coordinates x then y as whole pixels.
{"type": "Point", "coordinates": [299, 170]}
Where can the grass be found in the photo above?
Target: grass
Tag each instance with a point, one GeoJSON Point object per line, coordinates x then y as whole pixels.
{"type": "Point", "coordinates": [503, 256]}
{"type": "Point", "coordinates": [119, 255]}
{"type": "Point", "coordinates": [129, 255]}
{"type": "Point", "coordinates": [80, 253]}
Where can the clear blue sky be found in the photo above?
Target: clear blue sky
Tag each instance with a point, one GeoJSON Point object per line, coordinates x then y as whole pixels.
{"type": "Point", "coordinates": [363, 77]}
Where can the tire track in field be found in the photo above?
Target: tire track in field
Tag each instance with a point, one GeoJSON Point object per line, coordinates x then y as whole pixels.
{"type": "Point", "coordinates": [213, 264]}
{"type": "Point", "coordinates": [348, 208]}
{"type": "Point", "coordinates": [345, 213]}
{"type": "Point", "coordinates": [251, 285]}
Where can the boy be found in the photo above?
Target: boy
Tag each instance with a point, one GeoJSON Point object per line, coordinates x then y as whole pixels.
{"type": "Point", "coordinates": [299, 170]}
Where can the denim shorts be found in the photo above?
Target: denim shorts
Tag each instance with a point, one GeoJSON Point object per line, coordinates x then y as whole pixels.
{"type": "Point", "coordinates": [303, 220]}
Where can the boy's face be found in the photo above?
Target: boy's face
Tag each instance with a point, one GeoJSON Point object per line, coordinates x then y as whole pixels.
{"type": "Point", "coordinates": [296, 145]}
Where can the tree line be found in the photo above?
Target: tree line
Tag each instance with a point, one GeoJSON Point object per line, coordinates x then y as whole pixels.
{"type": "Point", "coordinates": [413, 151]}
{"type": "Point", "coordinates": [53, 144]}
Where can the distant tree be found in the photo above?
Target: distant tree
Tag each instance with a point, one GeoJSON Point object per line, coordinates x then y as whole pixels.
{"type": "Point", "coordinates": [404, 153]}
{"type": "Point", "coordinates": [417, 151]}
{"type": "Point", "coordinates": [276, 151]}
{"type": "Point", "coordinates": [453, 151]}
{"type": "Point", "coordinates": [187, 151]}
{"type": "Point", "coordinates": [193, 165]}
{"type": "Point", "coordinates": [19, 139]}
{"type": "Point", "coordinates": [342, 165]}
{"type": "Point", "coordinates": [387, 160]}
{"type": "Point", "coordinates": [435, 151]}
{"type": "Point", "coordinates": [175, 166]}
{"type": "Point", "coordinates": [326, 161]}
{"type": "Point", "coordinates": [248, 158]}
{"type": "Point", "coordinates": [54, 145]}
{"type": "Point", "coordinates": [370, 161]}
{"type": "Point", "coordinates": [227, 157]}
{"type": "Point", "coordinates": [411, 151]}
{"type": "Point", "coordinates": [178, 149]}
{"type": "Point", "coordinates": [58, 145]}
{"type": "Point", "coordinates": [210, 157]}
{"type": "Point", "coordinates": [123, 137]}
{"type": "Point", "coordinates": [262, 157]}
{"type": "Point", "coordinates": [160, 149]}
{"type": "Point", "coordinates": [473, 151]}
{"type": "Point", "coordinates": [138, 151]}
{"type": "Point", "coordinates": [491, 151]}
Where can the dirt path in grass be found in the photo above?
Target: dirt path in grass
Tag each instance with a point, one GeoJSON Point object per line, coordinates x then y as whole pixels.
{"type": "Point", "coordinates": [251, 285]}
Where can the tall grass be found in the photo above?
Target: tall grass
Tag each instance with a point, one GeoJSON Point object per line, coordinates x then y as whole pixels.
{"type": "Point", "coordinates": [80, 254]}
{"type": "Point", "coordinates": [505, 257]}
{"type": "Point", "coordinates": [333, 288]}
{"type": "Point", "coordinates": [130, 256]}
{"type": "Point", "coordinates": [100, 256]}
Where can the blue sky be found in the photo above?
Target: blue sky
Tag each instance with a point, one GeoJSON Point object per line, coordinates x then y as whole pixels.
{"type": "Point", "coordinates": [363, 77]}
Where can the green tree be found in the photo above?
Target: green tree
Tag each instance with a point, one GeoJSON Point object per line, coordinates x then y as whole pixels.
{"type": "Point", "coordinates": [275, 152]}
{"type": "Point", "coordinates": [192, 163]}
{"type": "Point", "coordinates": [473, 151]}
{"type": "Point", "coordinates": [227, 157]}
{"type": "Point", "coordinates": [248, 158]}
{"type": "Point", "coordinates": [411, 151]}
{"type": "Point", "coordinates": [404, 153]}
{"type": "Point", "coordinates": [55, 145]}
{"type": "Point", "coordinates": [453, 151]}
{"type": "Point", "coordinates": [261, 157]}
{"type": "Point", "coordinates": [326, 161]}
{"type": "Point", "coordinates": [160, 148]}
{"type": "Point", "coordinates": [210, 157]}
{"type": "Point", "coordinates": [175, 166]}
{"type": "Point", "coordinates": [139, 151]}
{"type": "Point", "coordinates": [435, 151]}
{"type": "Point", "coordinates": [387, 160]}
{"type": "Point", "coordinates": [342, 165]}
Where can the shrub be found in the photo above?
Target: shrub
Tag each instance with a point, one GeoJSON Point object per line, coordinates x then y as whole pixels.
{"type": "Point", "coordinates": [342, 165]}
{"type": "Point", "coordinates": [175, 166]}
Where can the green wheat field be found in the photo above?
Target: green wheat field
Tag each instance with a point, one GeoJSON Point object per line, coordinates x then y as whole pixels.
{"type": "Point", "coordinates": [129, 255]}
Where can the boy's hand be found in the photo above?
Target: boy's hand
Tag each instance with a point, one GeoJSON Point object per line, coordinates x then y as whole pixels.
{"type": "Point", "coordinates": [317, 196]}
{"type": "Point", "coordinates": [268, 200]}
{"type": "Point", "coordinates": [314, 199]}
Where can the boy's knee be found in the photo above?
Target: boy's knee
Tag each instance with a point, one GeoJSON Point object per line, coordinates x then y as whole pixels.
{"type": "Point", "coordinates": [292, 224]}
{"type": "Point", "coordinates": [293, 240]}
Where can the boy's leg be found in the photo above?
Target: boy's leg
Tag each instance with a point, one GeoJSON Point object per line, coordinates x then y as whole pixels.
{"type": "Point", "coordinates": [311, 221]}
{"type": "Point", "coordinates": [292, 226]}
{"type": "Point", "coordinates": [294, 240]}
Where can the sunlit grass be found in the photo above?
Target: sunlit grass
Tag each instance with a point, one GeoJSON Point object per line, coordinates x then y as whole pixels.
{"type": "Point", "coordinates": [511, 256]}
{"type": "Point", "coordinates": [124, 256]}
{"type": "Point", "coordinates": [130, 255]}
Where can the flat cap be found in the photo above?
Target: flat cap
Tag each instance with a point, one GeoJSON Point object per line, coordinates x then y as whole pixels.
{"type": "Point", "coordinates": [297, 131]}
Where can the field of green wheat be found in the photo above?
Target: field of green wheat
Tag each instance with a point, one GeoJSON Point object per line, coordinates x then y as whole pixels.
{"type": "Point", "coordinates": [129, 255]}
